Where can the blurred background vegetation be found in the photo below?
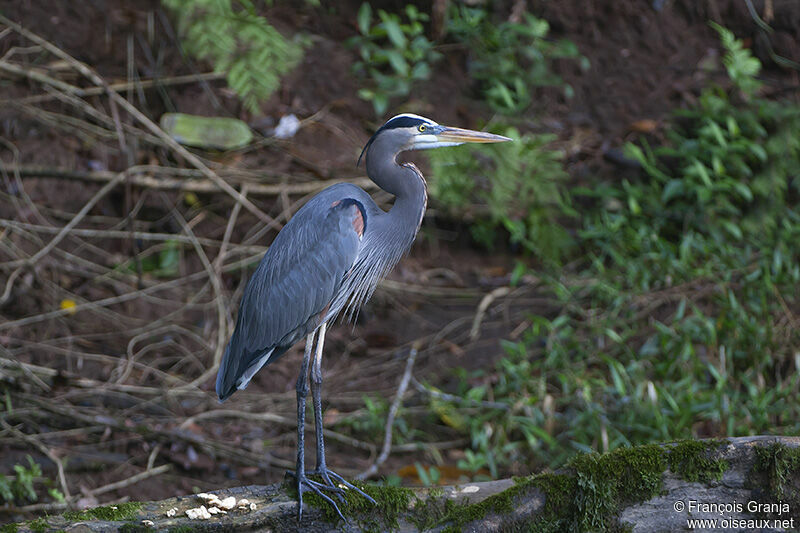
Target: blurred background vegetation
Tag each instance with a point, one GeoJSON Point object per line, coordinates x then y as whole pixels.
{"type": "Point", "coordinates": [625, 272]}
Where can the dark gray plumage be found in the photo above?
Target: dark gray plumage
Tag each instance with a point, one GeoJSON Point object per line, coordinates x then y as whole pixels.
{"type": "Point", "coordinates": [295, 281]}
{"type": "Point", "coordinates": [327, 260]}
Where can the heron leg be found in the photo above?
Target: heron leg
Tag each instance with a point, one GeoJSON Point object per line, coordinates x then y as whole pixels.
{"type": "Point", "coordinates": [316, 394]}
{"type": "Point", "coordinates": [303, 483]}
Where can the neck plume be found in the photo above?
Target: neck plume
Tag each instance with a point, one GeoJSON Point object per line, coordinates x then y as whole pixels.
{"type": "Point", "coordinates": [392, 233]}
{"type": "Point", "coordinates": [408, 186]}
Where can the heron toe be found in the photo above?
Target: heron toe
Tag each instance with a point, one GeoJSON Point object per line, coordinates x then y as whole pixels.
{"type": "Point", "coordinates": [326, 475]}
{"type": "Point", "coordinates": [304, 484]}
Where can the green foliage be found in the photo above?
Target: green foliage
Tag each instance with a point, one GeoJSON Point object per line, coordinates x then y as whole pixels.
{"type": "Point", "coordinates": [675, 321]}
{"type": "Point", "coordinates": [160, 261]}
{"type": "Point", "coordinates": [521, 183]}
{"type": "Point", "coordinates": [428, 476]}
{"type": "Point", "coordinates": [509, 59]}
{"type": "Point", "coordinates": [237, 42]}
{"type": "Point", "coordinates": [368, 422]}
{"type": "Point", "coordinates": [724, 173]}
{"type": "Point", "coordinates": [507, 430]}
{"type": "Point", "coordinates": [742, 67]}
{"type": "Point", "coordinates": [20, 487]}
{"type": "Point", "coordinates": [394, 54]}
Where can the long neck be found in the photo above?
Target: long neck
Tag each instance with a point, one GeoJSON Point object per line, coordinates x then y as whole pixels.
{"type": "Point", "coordinates": [388, 235]}
{"type": "Point", "coordinates": [408, 187]}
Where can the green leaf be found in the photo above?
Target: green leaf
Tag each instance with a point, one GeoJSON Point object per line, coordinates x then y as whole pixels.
{"type": "Point", "coordinates": [734, 230]}
{"type": "Point", "coordinates": [758, 151]}
{"type": "Point", "coordinates": [633, 205]}
{"type": "Point", "coordinates": [364, 18]}
{"type": "Point", "coordinates": [744, 191]}
{"type": "Point", "coordinates": [673, 188]}
{"type": "Point", "coordinates": [397, 61]}
{"type": "Point", "coordinates": [393, 30]}
{"type": "Point", "coordinates": [699, 170]}
{"type": "Point", "coordinates": [169, 259]}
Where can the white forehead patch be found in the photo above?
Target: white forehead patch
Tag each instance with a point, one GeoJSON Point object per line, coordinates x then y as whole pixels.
{"type": "Point", "coordinates": [412, 115]}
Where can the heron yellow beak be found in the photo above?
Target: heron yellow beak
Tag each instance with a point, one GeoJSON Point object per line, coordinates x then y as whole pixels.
{"type": "Point", "coordinates": [459, 135]}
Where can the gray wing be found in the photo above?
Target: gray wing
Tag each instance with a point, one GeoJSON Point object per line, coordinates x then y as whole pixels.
{"type": "Point", "coordinates": [288, 295]}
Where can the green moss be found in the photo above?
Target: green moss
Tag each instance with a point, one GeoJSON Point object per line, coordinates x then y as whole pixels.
{"type": "Point", "coordinates": [391, 501]}
{"type": "Point", "coordinates": [689, 459]}
{"type": "Point", "coordinates": [435, 492]}
{"type": "Point", "coordinates": [503, 502]}
{"type": "Point", "coordinates": [39, 524]}
{"type": "Point", "coordinates": [780, 464]}
{"type": "Point", "coordinates": [557, 488]}
{"type": "Point", "coordinates": [777, 467]}
{"type": "Point", "coordinates": [586, 496]}
{"type": "Point", "coordinates": [111, 513]}
{"type": "Point", "coordinates": [9, 528]}
{"type": "Point", "coordinates": [559, 504]}
{"type": "Point", "coordinates": [431, 510]}
{"type": "Point", "coordinates": [605, 482]}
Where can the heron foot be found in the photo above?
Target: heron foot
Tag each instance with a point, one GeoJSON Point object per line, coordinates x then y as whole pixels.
{"type": "Point", "coordinates": [304, 484]}
{"type": "Point", "coordinates": [342, 483]}
{"type": "Point", "coordinates": [328, 484]}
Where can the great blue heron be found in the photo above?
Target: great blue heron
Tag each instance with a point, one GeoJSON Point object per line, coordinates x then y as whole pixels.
{"type": "Point", "coordinates": [327, 260]}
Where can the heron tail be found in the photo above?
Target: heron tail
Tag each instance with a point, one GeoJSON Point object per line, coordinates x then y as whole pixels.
{"type": "Point", "coordinates": [225, 386]}
{"type": "Point", "coordinates": [233, 376]}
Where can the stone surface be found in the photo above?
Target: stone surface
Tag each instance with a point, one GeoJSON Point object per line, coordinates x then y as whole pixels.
{"type": "Point", "coordinates": [270, 508]}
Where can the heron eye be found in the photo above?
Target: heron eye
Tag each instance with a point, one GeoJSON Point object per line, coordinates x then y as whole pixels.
{"type": "Point", "coordinates": [422, 127]}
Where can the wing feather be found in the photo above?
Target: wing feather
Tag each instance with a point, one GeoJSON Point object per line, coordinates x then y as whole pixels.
{"type": "Point", "coordinates": [295, 282]}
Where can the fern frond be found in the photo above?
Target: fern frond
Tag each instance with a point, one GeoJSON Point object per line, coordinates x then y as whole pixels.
{"type": "Point", "coordinates": [742, 67]}
{"type": "Point", "coordinates": [238, 42]}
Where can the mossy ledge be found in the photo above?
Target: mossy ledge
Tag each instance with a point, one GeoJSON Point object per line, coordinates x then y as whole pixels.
{"type": "Point", "coordinates": [585, 496]}
{"type": "Point", "coordinates": [588, 494]}
{"type": "Point", "coordinates": [111, 513]}
{"type": "Point", "coordinates": [775, 477]}
{"type": "Point", "coordinates": [627, 488]}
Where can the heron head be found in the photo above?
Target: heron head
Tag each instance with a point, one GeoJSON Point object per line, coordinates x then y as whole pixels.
{"type": "Point", "coordinates": [413, 132]}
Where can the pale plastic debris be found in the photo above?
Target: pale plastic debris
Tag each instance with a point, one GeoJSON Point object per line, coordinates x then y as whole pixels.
{"type": "Point", "coordinates": [172, 512]}
{"type": "Point", "coordinates": [221, 133]}
{"type": "Point", "coordinates": [200, 513]}
{"type": "Point", "coordinates": [287, 127]}
{"type": "Point", "coordinates": [228, 503]}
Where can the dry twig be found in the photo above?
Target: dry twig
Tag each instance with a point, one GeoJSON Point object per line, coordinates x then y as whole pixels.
{"type": "Point", "coordinates": [387, 435]}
